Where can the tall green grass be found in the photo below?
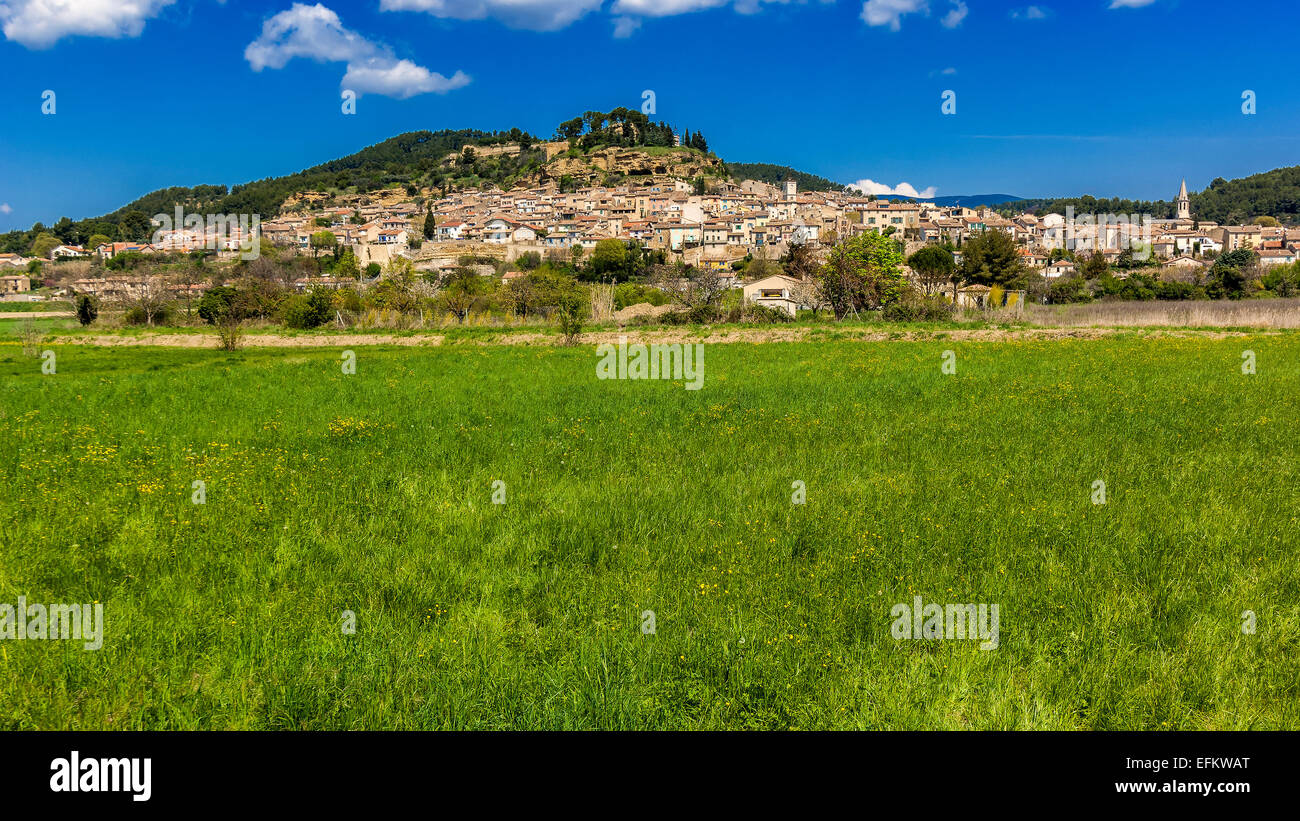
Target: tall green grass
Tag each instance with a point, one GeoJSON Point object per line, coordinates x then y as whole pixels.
{"type": "Point", "coordinates": [372, 493]}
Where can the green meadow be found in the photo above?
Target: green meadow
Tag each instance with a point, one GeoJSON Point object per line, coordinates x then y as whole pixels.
{"type": "Point", "coordinates": [13, 325]}
{"type": "Point", "coordinates": [373, 494]}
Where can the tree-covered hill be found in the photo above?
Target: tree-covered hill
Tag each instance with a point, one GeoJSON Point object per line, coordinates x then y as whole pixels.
{"type": "Point", "coordinates": [775, 174]}
{"type": "Point", "coordinates": [419, 160]}
{"type": "Point", "coordinates": [1088, 204]}
{"type": "Point", "coordinates": [1273, 193]}
{"type": "Point", "coordinates": [411, 158]}
{"type": "Point", "coordinates": [415, 160]}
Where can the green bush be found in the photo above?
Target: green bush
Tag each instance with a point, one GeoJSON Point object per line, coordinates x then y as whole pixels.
{"type": "Point", "coordinates": [87, 309]}
{"type": "Point", "coordinates": [699, 315]}
{"type": "Point", "coordinates": [135, 315]}
{"type": "Point", "coordinates": [349, 300]}
{"type": "Point", "coordinates": [572, 308]}
{"type": "Point", "coordinates": [216, 303]}
{"type": "Point", "coordinates": [635, 293]}
{"type": "Point", "coordinates": [307, 310]}
{"type": "Point", "coordinates": [1133, 287]}
{"type": "Point", "coordinates": [917, 307]}
{"type": "Point", "coordinates": [765, 314]}
{"type": "Point", "coordinates": [1178, 290]}
{"type": "Point", "coordinates": [125, 261]}
{"type": "Point", "coordinates": [1067, 290]}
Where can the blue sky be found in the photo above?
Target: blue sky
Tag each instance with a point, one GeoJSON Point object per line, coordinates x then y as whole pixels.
{"type": "Point", "coordinates": [1108, 97]}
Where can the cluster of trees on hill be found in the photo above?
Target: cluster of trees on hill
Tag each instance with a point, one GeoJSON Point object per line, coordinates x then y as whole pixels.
{"type": "Point", "coordinates": [403, 160]}
{"type": "Point", "coordinates": [1274, 193]}
{"type": "Point", "coordinates": [1087, 204]}
{"type": "Point", "coordinates": [408, 160]}
{"type": "Point", "coordinates": [623, 127]}
{"type": "Point", "coordinates": [775, 174]}
{"type": "Point", "coordinates": [37, 241]}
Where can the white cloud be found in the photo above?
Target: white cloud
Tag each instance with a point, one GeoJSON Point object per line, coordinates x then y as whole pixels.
{"type": "Point", "coordinates": [400, 79]}
{"type": "Point", "coordinates": [632, 11]}
{"type": "Point", "coordinates": [1130, 4]}
{"type": "Point", "coordinates": [551, 15]}
{"type": "Point", "coordinates": [890, 12]}
{"type": "Point", "coordinates": [536, 15]}
{"type": "Point", "coordinates": [41, 23]}
{"type": "Point", "coordinates": [903, 189]}
{"type": "Point", "coordinates": [669, 8]}
{"type": "Point", "coordinates": [1031, 13]}
{"type": "Point", "coordinates": [626, 26]}
{"type": "Point", "coordinates": [6, 208]}
{"type": "Point", "coordinates": [953, 18]}
{"type": "Point", "coordinates": [317, 33]}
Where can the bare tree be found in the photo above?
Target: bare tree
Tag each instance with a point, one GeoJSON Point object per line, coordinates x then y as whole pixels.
{"type": "Point", "coordinates": [191, 275]}
{"type": "Point", "coordinates": [150, 299]}
{"type": "Point", "coordinates": [690, 287]}
{"type": "Point", "coordinates": [809, 293]}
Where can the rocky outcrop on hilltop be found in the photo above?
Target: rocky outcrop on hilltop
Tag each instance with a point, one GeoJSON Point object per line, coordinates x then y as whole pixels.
{"type": "Point", "coordinates": [640, 165]}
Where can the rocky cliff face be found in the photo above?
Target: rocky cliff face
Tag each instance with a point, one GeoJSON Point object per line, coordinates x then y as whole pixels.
{"type": "Point", "coordinates": [639, 165]}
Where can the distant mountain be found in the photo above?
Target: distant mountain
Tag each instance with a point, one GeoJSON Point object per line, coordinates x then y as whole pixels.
{"type": "Point", "coordinates": [776, 174]}
{"type": "Point", "coordinates": [966, 200]}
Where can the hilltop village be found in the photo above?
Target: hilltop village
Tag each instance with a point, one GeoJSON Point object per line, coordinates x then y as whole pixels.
{"type": "Point", "coordinates": [670, 205]}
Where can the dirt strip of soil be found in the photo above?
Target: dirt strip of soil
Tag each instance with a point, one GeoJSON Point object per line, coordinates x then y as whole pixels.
{"type": "Point", "coordinates": [250, 341]}
{"type": "Point", "coordinates": [644, 336]}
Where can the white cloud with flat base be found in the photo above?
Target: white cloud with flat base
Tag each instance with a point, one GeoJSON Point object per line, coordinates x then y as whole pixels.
{"type": "Point", "coordinates": [534, 15]}
{"type": "Point", "coordinates": [890, 12]}
{"type": "Point", "coordinates": [317, 33]}
{"type": "Point", "coordinates": [903, 189]}
{"type": "Point", "coordinates": [552, 15]}
{"type": "Point", "coordinates": [40, 24]}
